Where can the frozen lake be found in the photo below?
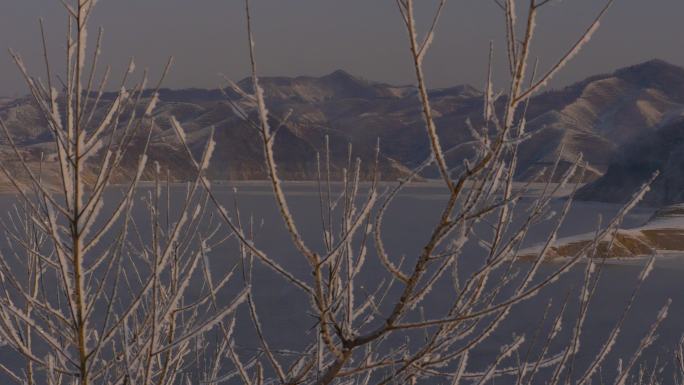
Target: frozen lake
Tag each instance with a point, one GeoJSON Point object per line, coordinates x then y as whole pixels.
{"type": "Point", "coordinates": [284, 310]}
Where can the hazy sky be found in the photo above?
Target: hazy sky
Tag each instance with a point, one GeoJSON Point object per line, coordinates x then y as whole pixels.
{"type": "Point", "coordinates": [315, 37]}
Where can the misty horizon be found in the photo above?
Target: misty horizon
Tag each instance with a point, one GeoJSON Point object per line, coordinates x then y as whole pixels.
{"type": "Point", "coordinates": [554, 87]}
{"type": "Point", "coordinates": [305, 38]}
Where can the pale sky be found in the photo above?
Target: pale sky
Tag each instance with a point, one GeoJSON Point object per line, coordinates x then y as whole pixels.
{"type": "Point", "coordinates": [315, 37]}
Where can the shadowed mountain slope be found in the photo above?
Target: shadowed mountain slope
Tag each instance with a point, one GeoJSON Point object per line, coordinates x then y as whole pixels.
{"type": "Point", "coordinates": [636, 161]}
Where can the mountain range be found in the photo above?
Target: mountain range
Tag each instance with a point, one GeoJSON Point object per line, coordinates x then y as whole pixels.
{"type": "Point", "coordinates": [626, 124]}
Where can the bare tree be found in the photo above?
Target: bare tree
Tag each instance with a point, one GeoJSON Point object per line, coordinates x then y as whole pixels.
{"type": "Point", "coordinates": [92, 291]}
{"type": "Point", "coordinates": [95, 293]}
{"type": "Point", "coordinates": [378, 332]}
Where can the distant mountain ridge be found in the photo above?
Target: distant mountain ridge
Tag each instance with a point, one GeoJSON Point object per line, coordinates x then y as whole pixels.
{"type": "Point", "coordinates": [597, 117]}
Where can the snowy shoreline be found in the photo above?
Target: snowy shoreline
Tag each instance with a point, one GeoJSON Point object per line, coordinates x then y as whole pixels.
{"type": "Point", "coordinates": [660, 256]}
